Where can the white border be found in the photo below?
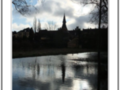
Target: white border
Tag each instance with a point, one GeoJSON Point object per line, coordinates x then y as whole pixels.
{"type": "Point", "coordinates": [7, 53]}
{"type": "Point", "coordinates": [119, 42]}
{"type": "Point", "coordinates": [7, 59]}
{"type": "Point", "coordinates": [113, 45]}
{"type": "Point", "coordinates": [0, 44]}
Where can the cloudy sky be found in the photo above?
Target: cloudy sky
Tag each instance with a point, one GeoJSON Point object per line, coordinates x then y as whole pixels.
{"type": "Point", "coordinates": [53, 11]}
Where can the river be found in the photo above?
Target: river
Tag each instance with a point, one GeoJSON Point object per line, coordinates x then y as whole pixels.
{"type": "Point", "coordinates": [56, 72]}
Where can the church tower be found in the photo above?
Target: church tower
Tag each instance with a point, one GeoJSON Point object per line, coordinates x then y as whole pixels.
{"type": "Point", "coordinates": [64, 28]}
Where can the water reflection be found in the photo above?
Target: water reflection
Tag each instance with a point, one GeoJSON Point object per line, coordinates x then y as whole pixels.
{"type": "Point", "coordinates": [63, 71]}
{"type": "Point", "coordinates": [60, 72]}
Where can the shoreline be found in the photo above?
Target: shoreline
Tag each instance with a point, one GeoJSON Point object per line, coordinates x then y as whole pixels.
{"type": "Point", "coordinates": [44, 52]}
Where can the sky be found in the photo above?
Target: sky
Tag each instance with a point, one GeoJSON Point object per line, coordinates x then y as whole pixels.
{"type": "Point", "coordinates": [53, 11]}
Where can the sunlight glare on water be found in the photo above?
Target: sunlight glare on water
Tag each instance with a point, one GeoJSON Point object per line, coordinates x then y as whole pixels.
{"type": "Point", "coordinates": [77, 56]}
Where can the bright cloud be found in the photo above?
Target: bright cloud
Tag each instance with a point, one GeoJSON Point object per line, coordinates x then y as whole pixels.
{"type": "Point", "coordinates": [53, 10]}
{"type": "Point", "coordinates": [89, 25]}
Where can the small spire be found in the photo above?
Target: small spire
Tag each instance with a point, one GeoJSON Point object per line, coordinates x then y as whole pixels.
{"type": "Point", "coordinates": [64, 20]}
{"type": "Point", "coordinates": [64, 23]}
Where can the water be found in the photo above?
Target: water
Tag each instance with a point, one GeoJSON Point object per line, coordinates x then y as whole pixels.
{"type": "Point", "coordinates": [55, 72]}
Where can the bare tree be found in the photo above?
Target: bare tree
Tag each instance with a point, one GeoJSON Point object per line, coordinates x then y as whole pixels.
{"type": "Point", "coordinates": [50, 25]}
{"type": "Point", "coordinates": [95, 13]}
{"type": "Point", "coordinates": [24, 7]}
{"type": "Point", "coordinates": [39, 26]}
{"type": "Point", "coordinates": [34, 25]}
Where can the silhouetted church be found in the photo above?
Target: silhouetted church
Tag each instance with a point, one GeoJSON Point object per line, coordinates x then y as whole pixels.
{"type": "Point", "coordinates": [63, 38]}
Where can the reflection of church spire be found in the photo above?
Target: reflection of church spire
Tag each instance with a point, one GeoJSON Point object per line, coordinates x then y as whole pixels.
{"type": "Point", "coordinates": [63, 71]}
{"type": "Point", "coordinates": [64, 23]}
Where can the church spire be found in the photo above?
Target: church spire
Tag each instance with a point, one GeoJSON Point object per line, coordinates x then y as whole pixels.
{"type": "Point", "coordinates": [64, 23]}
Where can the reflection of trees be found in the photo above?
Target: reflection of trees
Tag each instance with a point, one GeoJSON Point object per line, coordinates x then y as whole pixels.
{"type": "Point", "coordinates": [38, 69]}
{"type": "Point", "coordinates": [85, 72]}
{"type": "Point", "coordinates": [49, 70]}
{"type": "Point", "coordinates": [22, 65]}
{"type": "Point", "coordinates": [32, 83]}
{"type": "Point", "coordinates": [34, 67]}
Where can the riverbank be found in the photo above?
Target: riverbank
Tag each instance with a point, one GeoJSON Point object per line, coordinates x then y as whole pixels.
{"type": "Point", "coordinates": [43, 52]}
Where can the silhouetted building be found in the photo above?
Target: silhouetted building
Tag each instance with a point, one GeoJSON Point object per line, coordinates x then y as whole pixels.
{"type": "Point", "coordinates": [62, 38]}
{"type": "Point", "coordinates": [73, 43]}
{"type": "Point", "coordinates": [23, 33]}
{"type": "Point", "coordinates": [89, 38]}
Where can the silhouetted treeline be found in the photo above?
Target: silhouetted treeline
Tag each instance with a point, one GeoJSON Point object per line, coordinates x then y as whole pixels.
{"type": "Point", "coordinates": [26, 39]}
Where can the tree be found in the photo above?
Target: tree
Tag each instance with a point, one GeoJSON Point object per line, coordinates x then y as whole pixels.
{"type": "Point", "coordinates": [24, 7]}
{"type": "Point", "coordinates": [50, 25]}
{"type": "Point", "coordinates": [34, 25]}
{"type": "Point", "coordinates": [99, 17]}
{"type": "Point", "coordinates": [31, 34]}
{"type": "Point", "coordinates": [39, 26]}
{"type": "Point", "coordinates": [95, 13]}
